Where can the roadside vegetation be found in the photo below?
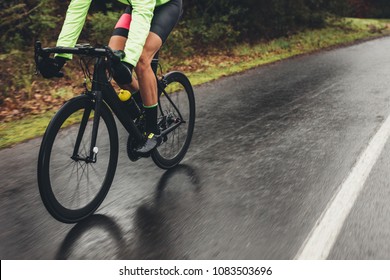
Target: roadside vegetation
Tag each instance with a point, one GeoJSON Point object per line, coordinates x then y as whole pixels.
{"type": "Point", "coordinates": [212, 40]}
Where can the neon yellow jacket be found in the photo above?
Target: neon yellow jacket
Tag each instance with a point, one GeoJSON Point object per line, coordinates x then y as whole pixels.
{"type": "Point", "coordinates": [142, 15]}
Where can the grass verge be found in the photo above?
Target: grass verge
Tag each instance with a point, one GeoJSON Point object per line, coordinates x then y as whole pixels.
{"type": "Point", "coordinates": [205, 68]}
{"type": "Point", "coordinates": [20, 130]}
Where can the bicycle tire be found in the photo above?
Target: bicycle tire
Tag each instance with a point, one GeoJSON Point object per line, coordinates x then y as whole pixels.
{"type": "Point", "coordinates": [181, 94]}
{"type": "Point", "coordinates": [49, 173]}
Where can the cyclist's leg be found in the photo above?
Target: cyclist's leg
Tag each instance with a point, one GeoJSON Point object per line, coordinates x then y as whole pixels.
{"type": "Point", "coordinates": [148, 88]}
{"type": "Point", "coordinates": [164, 19]}
{"type": "Point", "coordinates": [144, 71]}
{"type": "Point", "coordinates": [118, 42]}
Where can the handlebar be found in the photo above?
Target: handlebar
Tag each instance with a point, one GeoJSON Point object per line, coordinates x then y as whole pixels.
{"type": "Point", "coordinates": [113, 57]}
{"type": "Point", "coordinates": [85, 49]}
{"type": "Point", "coordinates": [80, 49]}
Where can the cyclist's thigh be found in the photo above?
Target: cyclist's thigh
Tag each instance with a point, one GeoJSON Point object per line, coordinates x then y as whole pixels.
{"type": "Point", "coordinates": [165, 18]}
{"type": "Point", "coordinates": [152, 45]}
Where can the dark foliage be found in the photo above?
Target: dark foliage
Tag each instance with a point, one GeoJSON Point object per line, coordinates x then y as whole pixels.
{"type": "Point", "coordinates": [205, 23]}
{"type": "Point", "coordinates": [370, 8]}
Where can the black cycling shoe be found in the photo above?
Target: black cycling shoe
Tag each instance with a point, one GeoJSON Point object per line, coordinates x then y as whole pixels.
{"type": "Point", "coordinates": [151, 143]}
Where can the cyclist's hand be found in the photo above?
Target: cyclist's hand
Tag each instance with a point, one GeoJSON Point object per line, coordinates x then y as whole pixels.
{"type": "Point", "coordinates": [50, 67]}
{"type": "Point", "coordinates": [121, 71]}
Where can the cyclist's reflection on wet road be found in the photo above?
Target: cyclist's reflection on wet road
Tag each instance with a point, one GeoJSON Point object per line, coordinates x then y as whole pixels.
{"type": "Point", "coordinates": [97, 237]}
{"type": "Point", "coordinates": [101, 237]}
{"type": "Point", "coordinates": [153, 219]}
{"type": "Point", "coordinates": [179, 171]}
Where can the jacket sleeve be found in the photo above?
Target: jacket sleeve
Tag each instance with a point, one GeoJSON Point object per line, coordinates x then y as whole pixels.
{"type": "Point", "coordinates": [142, 15]}
{"type": "Point", "coordinates": [73, 24]}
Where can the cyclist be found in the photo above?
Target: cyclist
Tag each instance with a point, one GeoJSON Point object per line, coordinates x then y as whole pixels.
{"type": "Point", "coordinates": [140, 33]}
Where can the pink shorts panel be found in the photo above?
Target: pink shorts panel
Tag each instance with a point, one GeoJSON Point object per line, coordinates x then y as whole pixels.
{"type": "Point", "coordinates": [124, 21]}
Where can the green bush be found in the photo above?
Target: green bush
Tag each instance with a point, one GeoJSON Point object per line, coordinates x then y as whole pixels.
{"type": "Point", "coordinates": [220, 23]}
{"type": "Point", "coordinates": [25, 21]}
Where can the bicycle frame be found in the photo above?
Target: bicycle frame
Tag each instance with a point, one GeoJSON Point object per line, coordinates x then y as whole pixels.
{"type": "Point", "coordinates": [103, 93]}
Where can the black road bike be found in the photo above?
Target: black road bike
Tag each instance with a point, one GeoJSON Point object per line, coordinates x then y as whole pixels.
{"type": "Point", "coordinates": [79, 150]}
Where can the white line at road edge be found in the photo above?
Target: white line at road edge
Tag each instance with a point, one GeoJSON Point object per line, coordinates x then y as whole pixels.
{"type": "Point", "coordinates": [324, 234]}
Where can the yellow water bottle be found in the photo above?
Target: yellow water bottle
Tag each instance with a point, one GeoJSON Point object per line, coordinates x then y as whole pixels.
{"type": "Point", "coordinates": [124, 95]}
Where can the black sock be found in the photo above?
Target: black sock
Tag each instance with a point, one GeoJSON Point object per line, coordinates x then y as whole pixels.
{"type": "Point", "coordinates": [151, 119]}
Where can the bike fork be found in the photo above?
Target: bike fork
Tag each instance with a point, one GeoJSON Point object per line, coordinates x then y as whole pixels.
{"type": "Point", "coordinates": [93, 150]}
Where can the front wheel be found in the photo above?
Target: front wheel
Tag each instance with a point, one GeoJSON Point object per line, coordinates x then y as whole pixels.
{"type": "Point", "coordinates": [72, 185]}
{"type": "Point", "coordinates": [176, 117]}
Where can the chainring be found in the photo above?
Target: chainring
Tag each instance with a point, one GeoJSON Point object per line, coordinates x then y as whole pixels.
{"type": "Point", "coordinates": [130, 149]}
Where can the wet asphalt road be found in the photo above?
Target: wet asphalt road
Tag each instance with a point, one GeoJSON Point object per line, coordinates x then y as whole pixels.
{"type": "Point", "coordinates": [270, 150]}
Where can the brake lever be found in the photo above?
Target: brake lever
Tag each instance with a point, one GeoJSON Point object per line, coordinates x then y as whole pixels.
{"type": "Point", "coordinates": [37, 51]}
{"type": "Point", "coordinates": [114, 57]}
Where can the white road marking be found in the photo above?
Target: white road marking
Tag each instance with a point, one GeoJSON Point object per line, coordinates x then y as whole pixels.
{"type": "Point", "coordinates": [324, 234]}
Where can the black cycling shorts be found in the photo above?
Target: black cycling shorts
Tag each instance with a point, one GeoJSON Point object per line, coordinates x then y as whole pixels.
{"type": "Point", "coordinates": [165, 17]}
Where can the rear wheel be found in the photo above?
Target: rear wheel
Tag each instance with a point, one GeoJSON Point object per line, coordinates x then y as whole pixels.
{"type": "Point", "coordinates": [72, 185]}
{"type": "Point", "coordinates": [176, 115]}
